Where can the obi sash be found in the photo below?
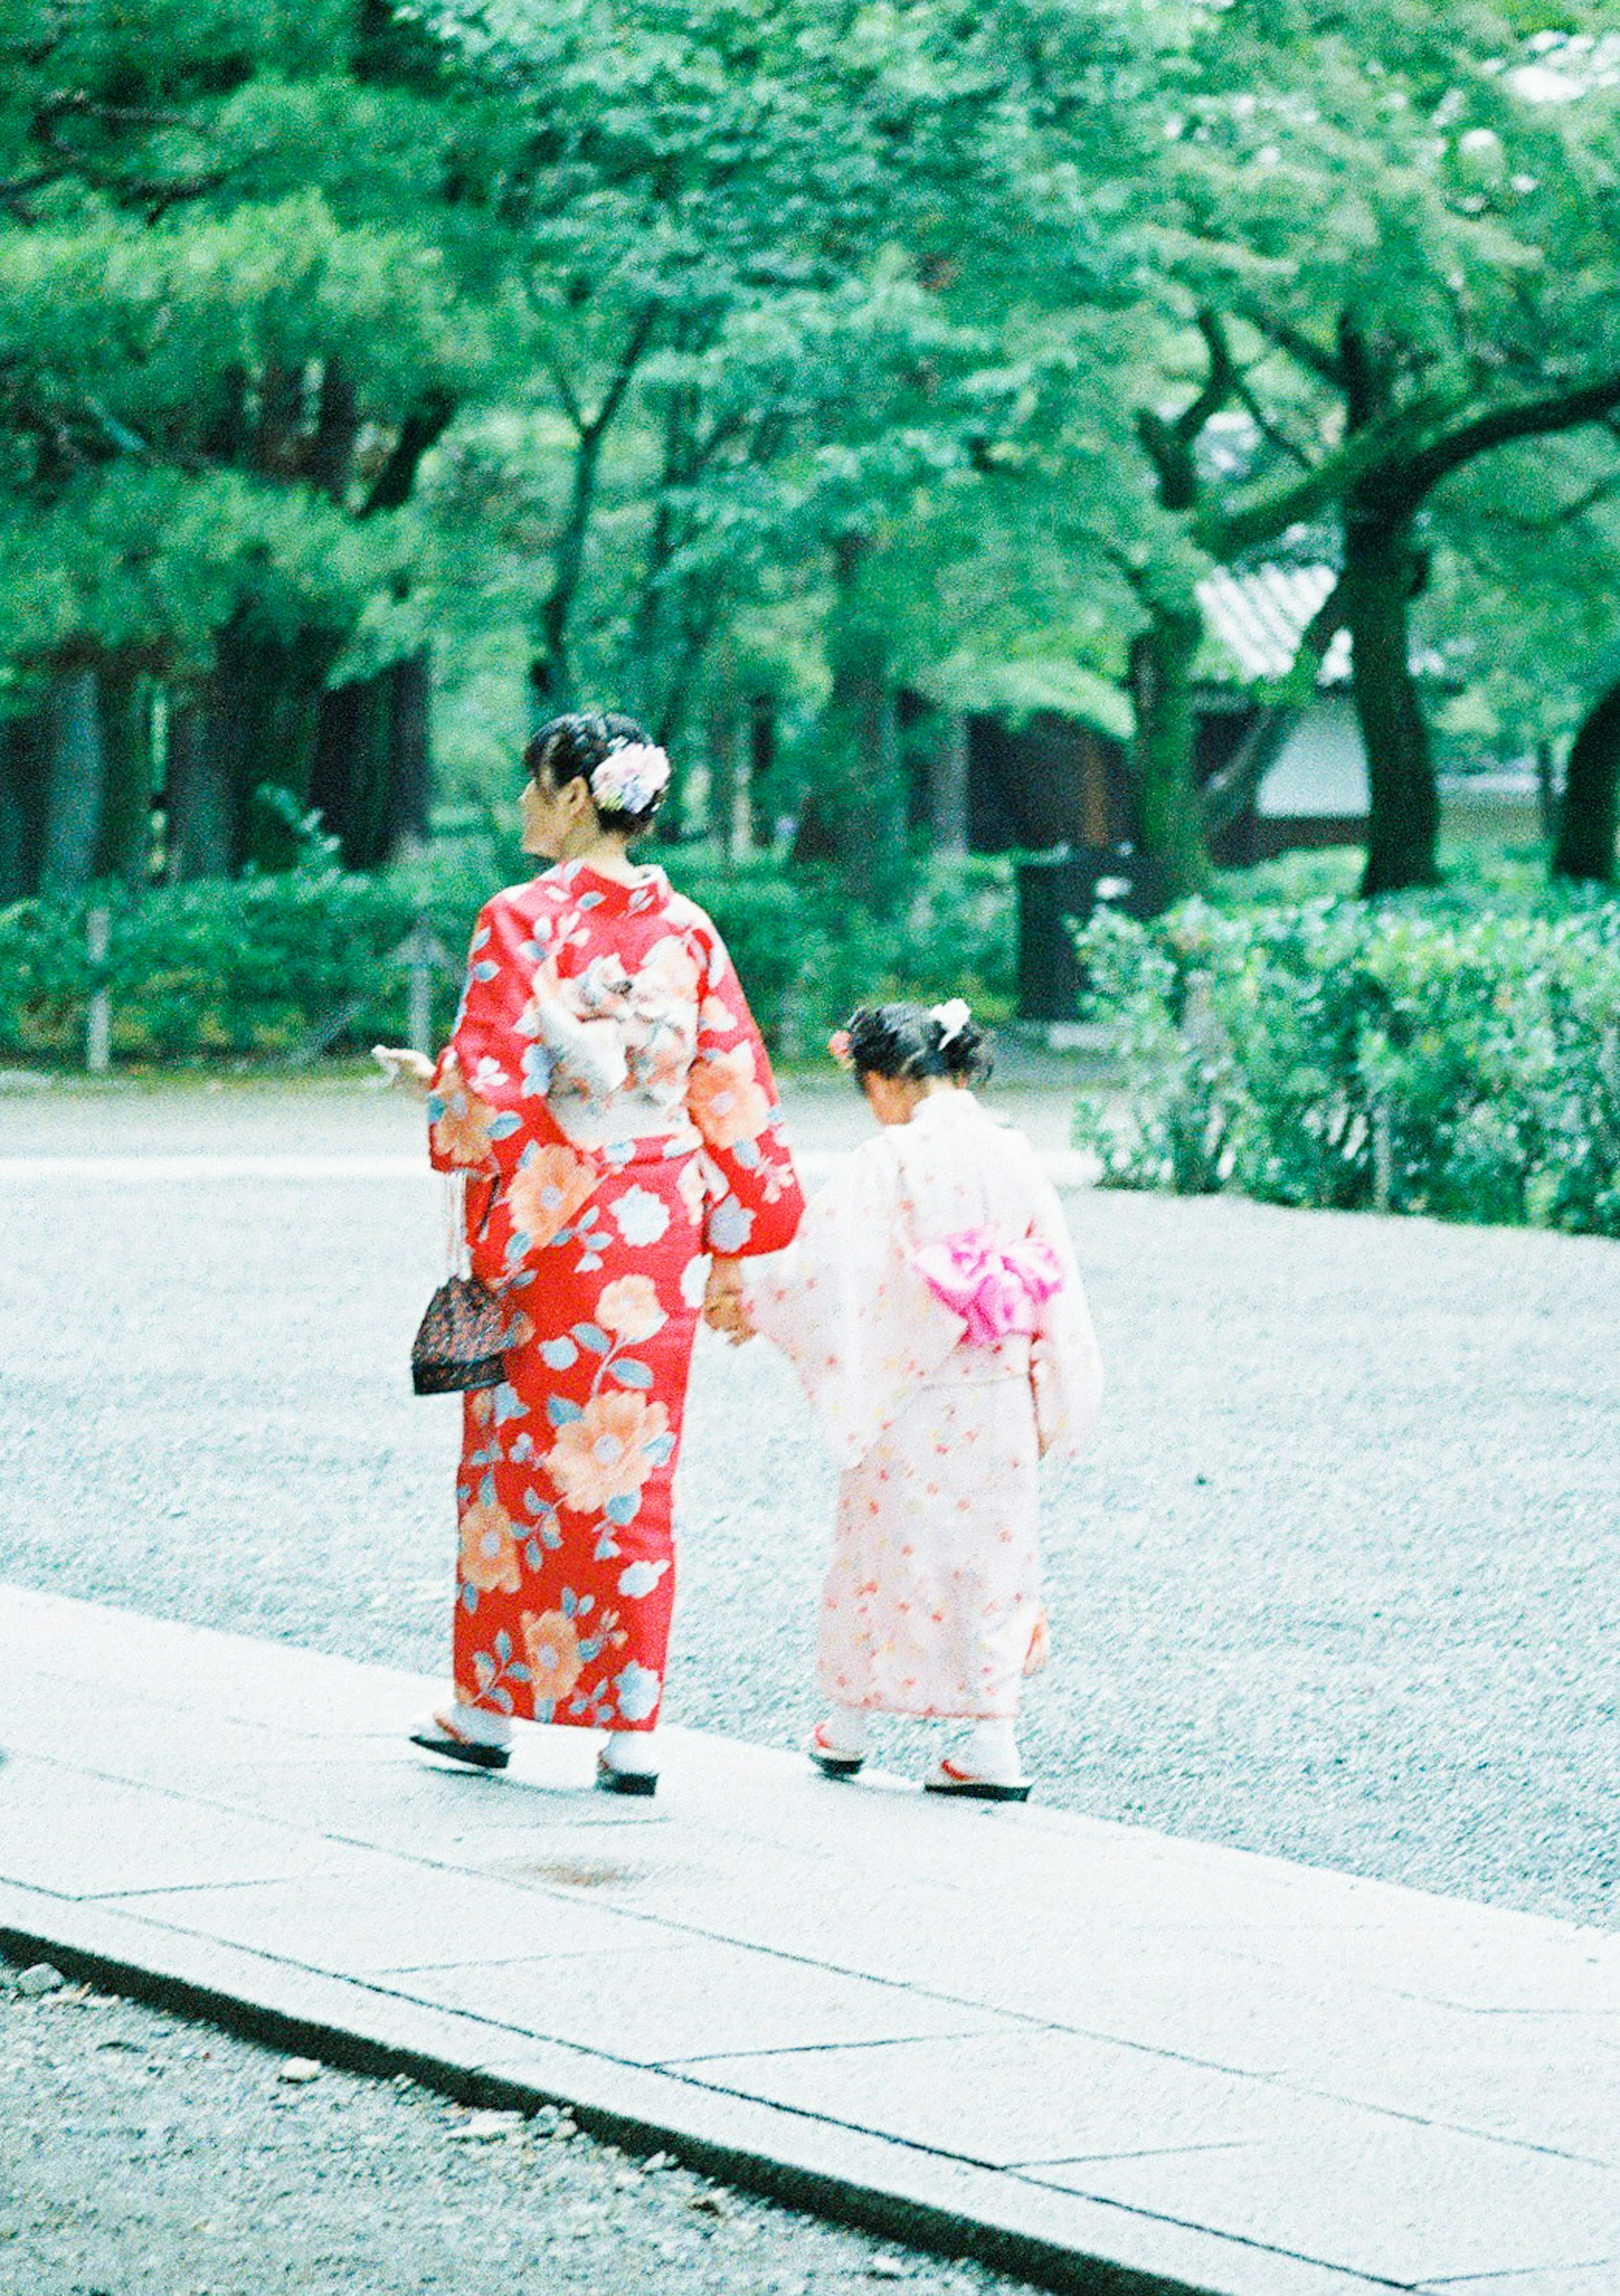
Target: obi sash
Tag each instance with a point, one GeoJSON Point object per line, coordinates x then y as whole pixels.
{"type": "Point", "coordinates": [995, 1286]}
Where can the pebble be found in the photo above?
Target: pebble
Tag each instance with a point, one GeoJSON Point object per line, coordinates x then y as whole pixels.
{"type": "Point", "coordinates": [889, 2267]}
{"type": "Point", "coordinates": [487, 2127]}
{"type": "Point", "coordinates": [299, 2069]}
{"type": "Point", "coordinates": [38, 1979]}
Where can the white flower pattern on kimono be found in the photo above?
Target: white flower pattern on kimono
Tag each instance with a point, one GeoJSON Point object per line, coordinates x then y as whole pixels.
{"type": "Point", "coordinates": [638, 1690]}
{"type": "Point", "coordinates": [640, 1217]}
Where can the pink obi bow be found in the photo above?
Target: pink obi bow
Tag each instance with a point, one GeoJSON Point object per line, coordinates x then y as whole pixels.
{"type": "Point", "coordinates": [996, 1288]}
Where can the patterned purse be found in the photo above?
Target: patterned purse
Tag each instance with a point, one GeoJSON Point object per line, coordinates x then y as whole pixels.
{"type": "Point", "coordinates": [459, 1343]}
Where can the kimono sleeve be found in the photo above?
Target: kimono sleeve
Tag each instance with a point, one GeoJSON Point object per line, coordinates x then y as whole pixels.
{"type": "Point", "coordinates": [847, 1308]}
{"type": "Point", "coordinates": [755, 1203]}
{"type": "Point", "coordinates": [1066, 1365]}
{"type": "Point", "coordinates": [487, 1115]}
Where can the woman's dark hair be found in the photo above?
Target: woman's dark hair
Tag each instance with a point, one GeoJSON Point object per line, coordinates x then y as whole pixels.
{"type": "Point", "coordinates": [909, 1041]}
{"type": "Point", "coordinates": [570, 749]}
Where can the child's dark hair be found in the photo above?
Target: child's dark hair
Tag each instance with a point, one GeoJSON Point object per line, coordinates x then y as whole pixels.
{"type": "Point", "coordinates": [913, 1041]}
{"type": "Point", "coordinates": [571, 748]}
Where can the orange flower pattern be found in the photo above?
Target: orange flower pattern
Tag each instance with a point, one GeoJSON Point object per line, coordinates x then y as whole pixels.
{"type": "Point", "coordinates": [547, 1190]}
{"type": "Point", "coordinates": [727, 1102]}
{"type": "Point", "coordinates": [488, 1551]}
{"type": "Point", "coordinates": [629, 1307]}
{"type": "Point", "coordinates": [551, 1643]}
{"type": "Point", "coordinates": [605, 1453]}
{"type": "Point", "coordinates": [567, 1577]}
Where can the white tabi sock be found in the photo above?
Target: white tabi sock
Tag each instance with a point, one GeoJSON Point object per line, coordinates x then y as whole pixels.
{"type": "Point", "coordinates": [844, 1730]}
{"type": "Point", "coordinates": [475, 1724]}
{"type": "Point", "coordinates": [633, 1753]}
{"type": "Point", "coordinates": [991, 1751]}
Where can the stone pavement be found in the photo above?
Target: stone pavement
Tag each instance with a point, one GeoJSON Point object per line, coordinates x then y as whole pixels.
{"type": "Point", "coordinates": [1091, 2054]}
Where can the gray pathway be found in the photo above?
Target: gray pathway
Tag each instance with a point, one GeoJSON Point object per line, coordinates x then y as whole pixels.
{"type": "Point", "coordinates": [1059, 2041]}
{"type": "Point", "coordinates": [1340, 1583]}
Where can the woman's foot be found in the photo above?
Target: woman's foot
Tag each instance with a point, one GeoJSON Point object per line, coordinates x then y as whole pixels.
{"type": "Point", "coordinates": [837, 1745]}
{"type": "Point", "coordinates": [467, 1735]}
{"type": "Point", "coordinates": [627, 1763]}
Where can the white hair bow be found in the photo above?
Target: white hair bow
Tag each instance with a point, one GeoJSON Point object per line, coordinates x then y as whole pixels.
{"type": "Point", "coordinates": [953, 1016]}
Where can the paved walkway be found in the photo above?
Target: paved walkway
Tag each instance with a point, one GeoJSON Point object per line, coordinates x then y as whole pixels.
{"type": "Point", "coordinates": [1087, 2053]}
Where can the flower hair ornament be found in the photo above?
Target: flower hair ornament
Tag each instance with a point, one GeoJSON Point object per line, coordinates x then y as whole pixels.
{"type": "Point", "coordinates": [838, 1044]}
{"type": "Point", "coordinates": [953, 1016]}
{"type": "Point", "coordinates": [631, 778]}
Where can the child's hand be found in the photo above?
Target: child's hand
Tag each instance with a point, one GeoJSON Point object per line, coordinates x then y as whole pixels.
{"type": "Point", "coordinates": [724, 1308]}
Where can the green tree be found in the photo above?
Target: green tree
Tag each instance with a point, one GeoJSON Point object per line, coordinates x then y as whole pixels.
{"type": "Point", "coordinates": [250, 271]}
{"type": "Point", "coordinates": [1385, 211]}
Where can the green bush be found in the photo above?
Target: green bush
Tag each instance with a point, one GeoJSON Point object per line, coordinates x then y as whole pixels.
{"type": "Point", "coordinates": [807, 953]}
{"type": "Point", "coordinates": [1388, 1059]}
{"type": "Point", "coordinates": [272, 965]}
{"type": "Point", "coordinates": [251, 968]}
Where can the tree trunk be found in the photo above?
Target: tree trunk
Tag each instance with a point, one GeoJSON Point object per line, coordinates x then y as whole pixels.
{"type": "Point", "coordinates": [410, 781]}
{"type": "Point", "coordinates": [75, 774]}
{"type": "Point", "coordinates": [856, 815]}
{"type": "Point", "coordinates": [199, 802]}
{"type": "Point", "coordinates": [728, 819]}
{"type": "Point", "coordinates": [1171, 816]}
{"type": "Point", "coordinates": [762, 759]}
{"type": "Point", "coordinates": [265, 702]}
{"type": "Point", "coordinates": [372, 778]}
{"type": "Point", "coordinates": [124, 848]}
{"type": "Point", "coordinates": [948, 788]}
{"type": "Point", "coordinates": [1587, 818]}
{"type": "Point", "coordinates": [24, 745]}
{"type": "Point", "coordinates": [1383, 573]}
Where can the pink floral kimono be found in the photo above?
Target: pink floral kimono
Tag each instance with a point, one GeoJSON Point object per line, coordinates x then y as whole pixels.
{"type": "Point", "coordinates": [933, 1311]}
{"type": "Point", "coordinates": [606, 1085]}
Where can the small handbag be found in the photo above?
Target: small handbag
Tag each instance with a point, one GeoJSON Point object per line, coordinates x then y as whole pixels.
{"type": "Point", "coordinates": [460, 1341]}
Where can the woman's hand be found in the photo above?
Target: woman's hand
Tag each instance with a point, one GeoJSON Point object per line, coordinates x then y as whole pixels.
{"type": "Point", "coordinates": [724, 1308]}
{"type": "Point", "coordinates": [412, 1070]}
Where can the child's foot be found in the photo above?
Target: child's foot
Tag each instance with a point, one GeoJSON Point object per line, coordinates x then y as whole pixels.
{"type": "Point", "coordinates": [986, 1768]}
{"type": "Point", "coordinates": [837, 1750]}
{"type": "Point", "coordinates": [952, 1778]}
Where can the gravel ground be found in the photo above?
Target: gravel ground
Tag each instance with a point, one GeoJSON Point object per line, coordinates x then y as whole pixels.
{"type": "Point", "coordinates": [141, 2155]}
{"type": "Point", "coordinates": [1341, 1581]}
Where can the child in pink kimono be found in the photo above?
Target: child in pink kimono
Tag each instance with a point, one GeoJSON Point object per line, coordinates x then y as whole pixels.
{"type": "Point", "coordinates": [932, 1307]}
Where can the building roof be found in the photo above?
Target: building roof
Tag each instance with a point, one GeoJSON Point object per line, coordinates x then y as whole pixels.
{"type": "Point", "coordinates": [1257, 619]}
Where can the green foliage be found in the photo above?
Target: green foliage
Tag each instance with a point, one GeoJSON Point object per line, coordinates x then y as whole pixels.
{"type": "Point", "coordinates": [807, 954]}
{"type": "Point", "coordinates": [1394, 1059]}
{"type": "Point", "coordinates": [247, 968]}
{"type": "Point", "coordinates": [264, 966]}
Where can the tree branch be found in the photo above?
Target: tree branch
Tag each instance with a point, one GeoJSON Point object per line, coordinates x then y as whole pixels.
{"type": "Point", "coordinates": [1261, 513]}
{"type": "Point", "coordinates": [1219, 382]}
{"type": "Point", "coordinates": [391, 490]}
{"type": "Point", "coordinates": [1317, 358]}
{"type": "Point", "coordinates": [1535, 418]}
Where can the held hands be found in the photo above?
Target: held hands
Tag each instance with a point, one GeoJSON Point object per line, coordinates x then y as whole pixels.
{"type": "Point", "coordinates": [413, 1072]}
{"type": "Point", "coordinates": [725, 1308]}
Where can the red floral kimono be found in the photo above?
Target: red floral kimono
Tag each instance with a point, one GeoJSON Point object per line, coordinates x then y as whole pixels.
{"type": "Point", "coordinates": [606, 1090]}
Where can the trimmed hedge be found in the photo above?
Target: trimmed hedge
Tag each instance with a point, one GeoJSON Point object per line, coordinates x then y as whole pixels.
{"type": "Point", "coordinates": [266, 966]}
{"type": "Point", "coordinates": [1368, 1058]}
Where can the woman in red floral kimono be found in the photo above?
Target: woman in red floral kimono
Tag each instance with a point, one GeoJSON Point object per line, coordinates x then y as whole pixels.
{"type": "Point", "coordinates": [607, 1094]}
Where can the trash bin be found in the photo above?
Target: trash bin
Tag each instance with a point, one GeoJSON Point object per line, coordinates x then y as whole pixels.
{"type": "Point", "coordinates": [1061, 888]}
